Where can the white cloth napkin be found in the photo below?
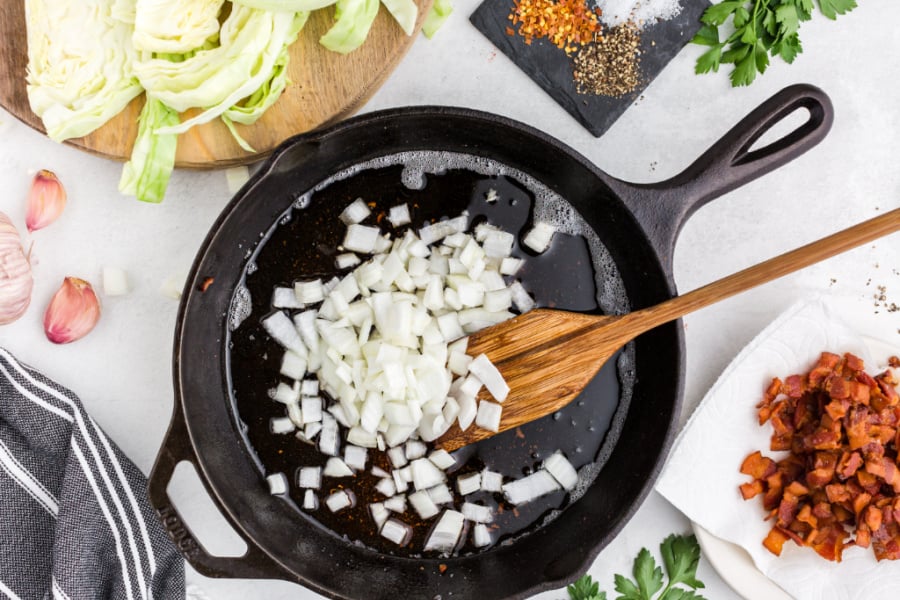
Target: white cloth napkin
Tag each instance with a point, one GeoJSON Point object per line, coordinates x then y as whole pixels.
{"type": "Point", "coordinates": [702, 476]}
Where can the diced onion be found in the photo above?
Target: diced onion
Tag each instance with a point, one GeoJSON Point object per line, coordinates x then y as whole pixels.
{"type": "Point", "coordinates": [485, 370]}
{"type": "Point", "coordinates": [279, 326]}
{"type": "Point", "coordinates": [528, 488]}
{"type": "Point", "coordinates": [360, 238]}
{"type": "Point", "coordinates": [281, 425]}
{"type": "Point", "coordinates": [355, 212]}
{"type": "Point", "coordinates": [309, 292]}
{"type": "Point", "coordinates": [340, 500]}
{"type": "Point", "coordinates": [397, 532]}
{"type": "Point", "coordinates": [283, 297]}
{"type": "Point", "coordinates": [491, 481]}
{"type": "Point", "coordinates": [396, 504]}
{"type": "Point", "coordinates": [562, 470]}
{"type": "Point", "coordinates": [488, 416]}
{"type": "Point", "coordinates": [379, 513]}
{"type": "Point", "coordinates": [477, 513]}
{"type": "Point", "coordinates": [355, 457]}
{"type": "Point", "coordinates": [309, 477]}
{"type": "Point", "coordinates": [294, 366]}
{"type": "Point", "coordinates": [446, 533]}
{"type": "Point", "coordinates": [415, 449]}
{"type": "Point", "coordinates": [310, 500]}
{"type": "Point", "coordinates": [440, 494]}
{"type": "Point", "coordinates": [399, 215]}
{"type": "Point", "coordinates": [540, 236]}
{"type": "Point", "coordinates": [386, 487]}
{"type": "Point", "coordinates": [481, 536]}
{"type": "Point", "coordinates": [442, 459]}
{"type": "Point", "coordinates": [425, 474]}
{"type": "Point", "coordinates": [379, 472]}
{"type": "Point", "coordinates": [278, 484]}
{"type": "Point", "coordinates": [115, 281]}
{"type": "Point", "coordinates": [335, 467]}
{"type": "Point", "coordinates": [467, 484]}
{"type": "Point", "coordinates": [423, 504]}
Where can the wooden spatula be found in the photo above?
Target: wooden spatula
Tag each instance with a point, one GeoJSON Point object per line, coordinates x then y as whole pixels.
{"type": "Point", "coordinates": [548, 356]}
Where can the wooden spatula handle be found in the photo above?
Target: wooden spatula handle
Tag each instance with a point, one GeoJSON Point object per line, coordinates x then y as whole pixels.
{"type": "Point", "coordinates": [867, 231]}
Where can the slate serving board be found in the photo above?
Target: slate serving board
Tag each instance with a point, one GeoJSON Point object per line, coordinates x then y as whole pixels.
{"type": "Point", "coordinates": [552, 69]}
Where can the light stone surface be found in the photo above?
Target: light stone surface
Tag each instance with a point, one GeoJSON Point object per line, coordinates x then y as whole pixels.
{"type": "Point", "coordinates": [122, 371]}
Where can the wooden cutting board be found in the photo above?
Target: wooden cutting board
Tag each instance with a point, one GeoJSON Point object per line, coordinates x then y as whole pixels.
{"type": "Point", "coordinates": [325, 88]}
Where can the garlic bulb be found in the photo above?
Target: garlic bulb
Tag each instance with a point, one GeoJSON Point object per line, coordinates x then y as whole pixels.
{"type": "Point", "coordinates": [73, 312]}
{"type": "Point", "coordinates": [16, 281]}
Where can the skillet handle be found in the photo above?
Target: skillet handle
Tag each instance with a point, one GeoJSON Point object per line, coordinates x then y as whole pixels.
{"type": "Point", "coordinates": [176, 447]}
{"type": "Point", "coordinates": [662, 208]}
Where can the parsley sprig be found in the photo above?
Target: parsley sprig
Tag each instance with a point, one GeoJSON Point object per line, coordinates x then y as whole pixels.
{"type": "Point", "coordinates": [762, 28]}
{"type": "Point", "coordinates": [680, 554]}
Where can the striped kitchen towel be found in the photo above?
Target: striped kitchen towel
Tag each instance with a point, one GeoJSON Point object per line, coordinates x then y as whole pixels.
{"type": "Point", "coordinates": [74, 518]}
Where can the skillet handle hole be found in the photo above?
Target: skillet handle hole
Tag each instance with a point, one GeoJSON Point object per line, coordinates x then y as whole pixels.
{"type": "Point", "coordinates": [196, 508]}
{"type": "Point", "coordinates": [779, 129]}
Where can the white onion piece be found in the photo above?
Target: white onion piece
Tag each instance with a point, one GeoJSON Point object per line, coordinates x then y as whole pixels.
{"type": "Point", "coordinates": [396, 504]}
{"type": "Point", "coordinates": [485, 370]}
{"type": "Point", "coordinates": [562, 470]}
{"type": "Point", "coordinates": [278, 484]}
{"type": "Point", "coordinates": [312, 409]}
{"type": "Point", "coordinates": [340, 500]}
{"type": "Point", "coordinates": [540, 236]}
{"type": "Point", "coordinates": [309, 477]}
{"type": "Point", "coordinates": [498, 300]}
{"type": "Point", "coordinates": [295, 414]}
{"type": "Point", "coordinates": [467, 484]}
{"type": "Point", "coordinates": [280, 425]}
{"type": "Point", "coordinates": [309, 387]}
{"type": "Point", "coordinates": [279, 326]}
{"type": "Point", "coordinates": [446, 533]}
{"type": "Point", "coordinates": [521, 299]}
{"type": "Point", "coordinates": [335, 467]}
{"type": "Point", "coordinates": [440, 494]}
{"type": "Point", "coordinates": [287, 394]}
{"type": "Point", "coordinates": [294, 366]}
{"type": "Point", "coordinates": [329, 440]}
{"type": "Point", "coordinates": [397, 532]}
{"type": "Point", "coordinates": [399, 215]}
{"type": "Point", "coordinates": [477, 513]}
{"type": "Point", "coordinates": [528, 488]}
{"type": "Point", "coordinates": [355, 457]}
{"type": "Point", "coordinates": [355, 212]}
{"type": "Point", "coordinates": [442, 459]}
{"type": "Point", "coordinates": [399, 481]}
{"type": "Point", "coordinates": [115, 281]}
{"type": "Point", "coordinates": [361, 437]}
{"type": "Point", "coordinates": [386, 487]}
{"type": "Point", "coordinates": [423, 504]}
{"type": "Point", "coordinates": [311, 430]}
{"type": "Point", "coordinates": [471, 385]}
{"type": "Point", "coordinates": [468, 408]}
{"type": "Point", "coordinates": [346, 260]}
{"type": "Point", "coordinates": [488, 416]}
{"type": "Point", "coordinates": [481, 536]}
{"type": "Point", "coordinates": [491, 481]}
{"type": "Point", "coordinates": [415, 449]}
{"type": "Point", "coordinates": [406, 473]}
{"type": "Point", "coordinates": [379, 472]}
{"type": "Point", "coordinates": [379, 513]}
{"type": "Point", "coordinates": [363, 239]}
{"type": "Point", "coordinates": [283, 297]}
{"type": "Point", "coordinates": [310, 500]}
{"type": "Point", "coordinates": [425, 474]}
{"type": "Point", "coordinates": [510, 265]}
{"type": "Point", "coordinates": [309, 292]}
{"type": "Point", "coordinates": [397, 457]}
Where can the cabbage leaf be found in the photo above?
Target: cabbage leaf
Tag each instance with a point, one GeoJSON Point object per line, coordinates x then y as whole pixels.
{"type": "Point", "coordinates": [352, 21]}
{"type": "Point", "coordinates": [404, 12]}
{"type": "Point", "coordinates": [146, 175]}
{"type": "Point", "coordinates": [80, 59]}
{"type": "Point", "coordinates": [175, 26]}
{"type": "Point", "coordinates": [440, 12]}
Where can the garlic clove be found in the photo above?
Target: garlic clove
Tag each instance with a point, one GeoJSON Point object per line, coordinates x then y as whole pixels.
{"type": "Point", "coordinates": [73, 312]}
{"type": "Point", "coordinates": [16, 281]}
{"type": "Point", "coordinates": [46, 200]}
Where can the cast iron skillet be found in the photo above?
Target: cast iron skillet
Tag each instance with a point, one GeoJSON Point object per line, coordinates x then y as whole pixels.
{"type": "Point", "coordinates": [637, 223]}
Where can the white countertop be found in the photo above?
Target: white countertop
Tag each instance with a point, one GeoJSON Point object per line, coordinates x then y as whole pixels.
{"type": "Point", "coordinates": [122, 371]}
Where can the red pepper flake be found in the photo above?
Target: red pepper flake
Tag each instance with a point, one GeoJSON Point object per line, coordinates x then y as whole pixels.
{"type": "Point", "coordinates": [568, 24]}
{"type": "Point", "coordinates": [442, 568]}
{"type": "Point", "coordinates": [206, 283]}
{"type": "Point", "coordinates": [519, 433]}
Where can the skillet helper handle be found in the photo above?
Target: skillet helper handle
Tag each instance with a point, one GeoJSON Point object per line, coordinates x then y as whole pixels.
{"type": "Point", "coordinates": [176, 447]}
{"type": "Point", "coordinates": [662, 208]}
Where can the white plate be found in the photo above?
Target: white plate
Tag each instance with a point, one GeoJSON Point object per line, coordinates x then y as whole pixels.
{"type": "Point", "coordinates": [733, 563]}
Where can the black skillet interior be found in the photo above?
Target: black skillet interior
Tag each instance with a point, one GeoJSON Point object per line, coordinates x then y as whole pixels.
{"type": "Point", "coordinates": [637, 224]}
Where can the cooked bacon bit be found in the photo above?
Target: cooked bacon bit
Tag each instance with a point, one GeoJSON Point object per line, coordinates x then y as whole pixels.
{"type": "Point", "coordinates": [894, 361]}
{"type": "Point", "coordinates": [841, 478]}
{"type": "Point", "coordinates": [775, 540]}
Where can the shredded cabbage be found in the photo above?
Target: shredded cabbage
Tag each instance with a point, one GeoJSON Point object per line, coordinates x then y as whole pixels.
{"type": "Point", "coordinates": [289, 5]}
{"type": "Point", "coordinates": [404, 12]}
{"type": "Point", "coordinates": [80, 61]}
{"type": "Point", "coordinates": [175, 26]}
{"type": "Point", "coordinates": [147, 174]}
{"type": "Point", "coordinates": [352, 21]}
{"type": "Point", "coordinates": [439, 13]}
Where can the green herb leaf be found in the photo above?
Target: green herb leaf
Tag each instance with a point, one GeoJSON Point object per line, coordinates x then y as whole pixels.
{"type": "Point", "coordinates": [707, 35]}
{"type": "Point", "coordinates": [709, 60]}
{"type": "Point", "coordinates": [649, 577]}
{"type": "Point", "coordinates": [786, 16]}
{"type": "Point", "coordinates": [585, 589]}
{"type": "Point", "coordinates": [681, 555]}
{"type": "Point", "coordinates": [627, 589]}
{"type": "Point", "coordinates": [680, 594]}
{"type": "Point", "coordinates": [717, 14]}
{"type": "Point", "coordinates": [833, 8]}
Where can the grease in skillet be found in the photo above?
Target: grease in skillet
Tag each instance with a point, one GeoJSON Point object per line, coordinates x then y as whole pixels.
{"type": "Point", "coordinates": [304, 244]}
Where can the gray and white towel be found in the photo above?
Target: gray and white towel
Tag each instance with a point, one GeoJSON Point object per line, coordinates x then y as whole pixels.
{"type": "Point", "coordinates": [74, 518]}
